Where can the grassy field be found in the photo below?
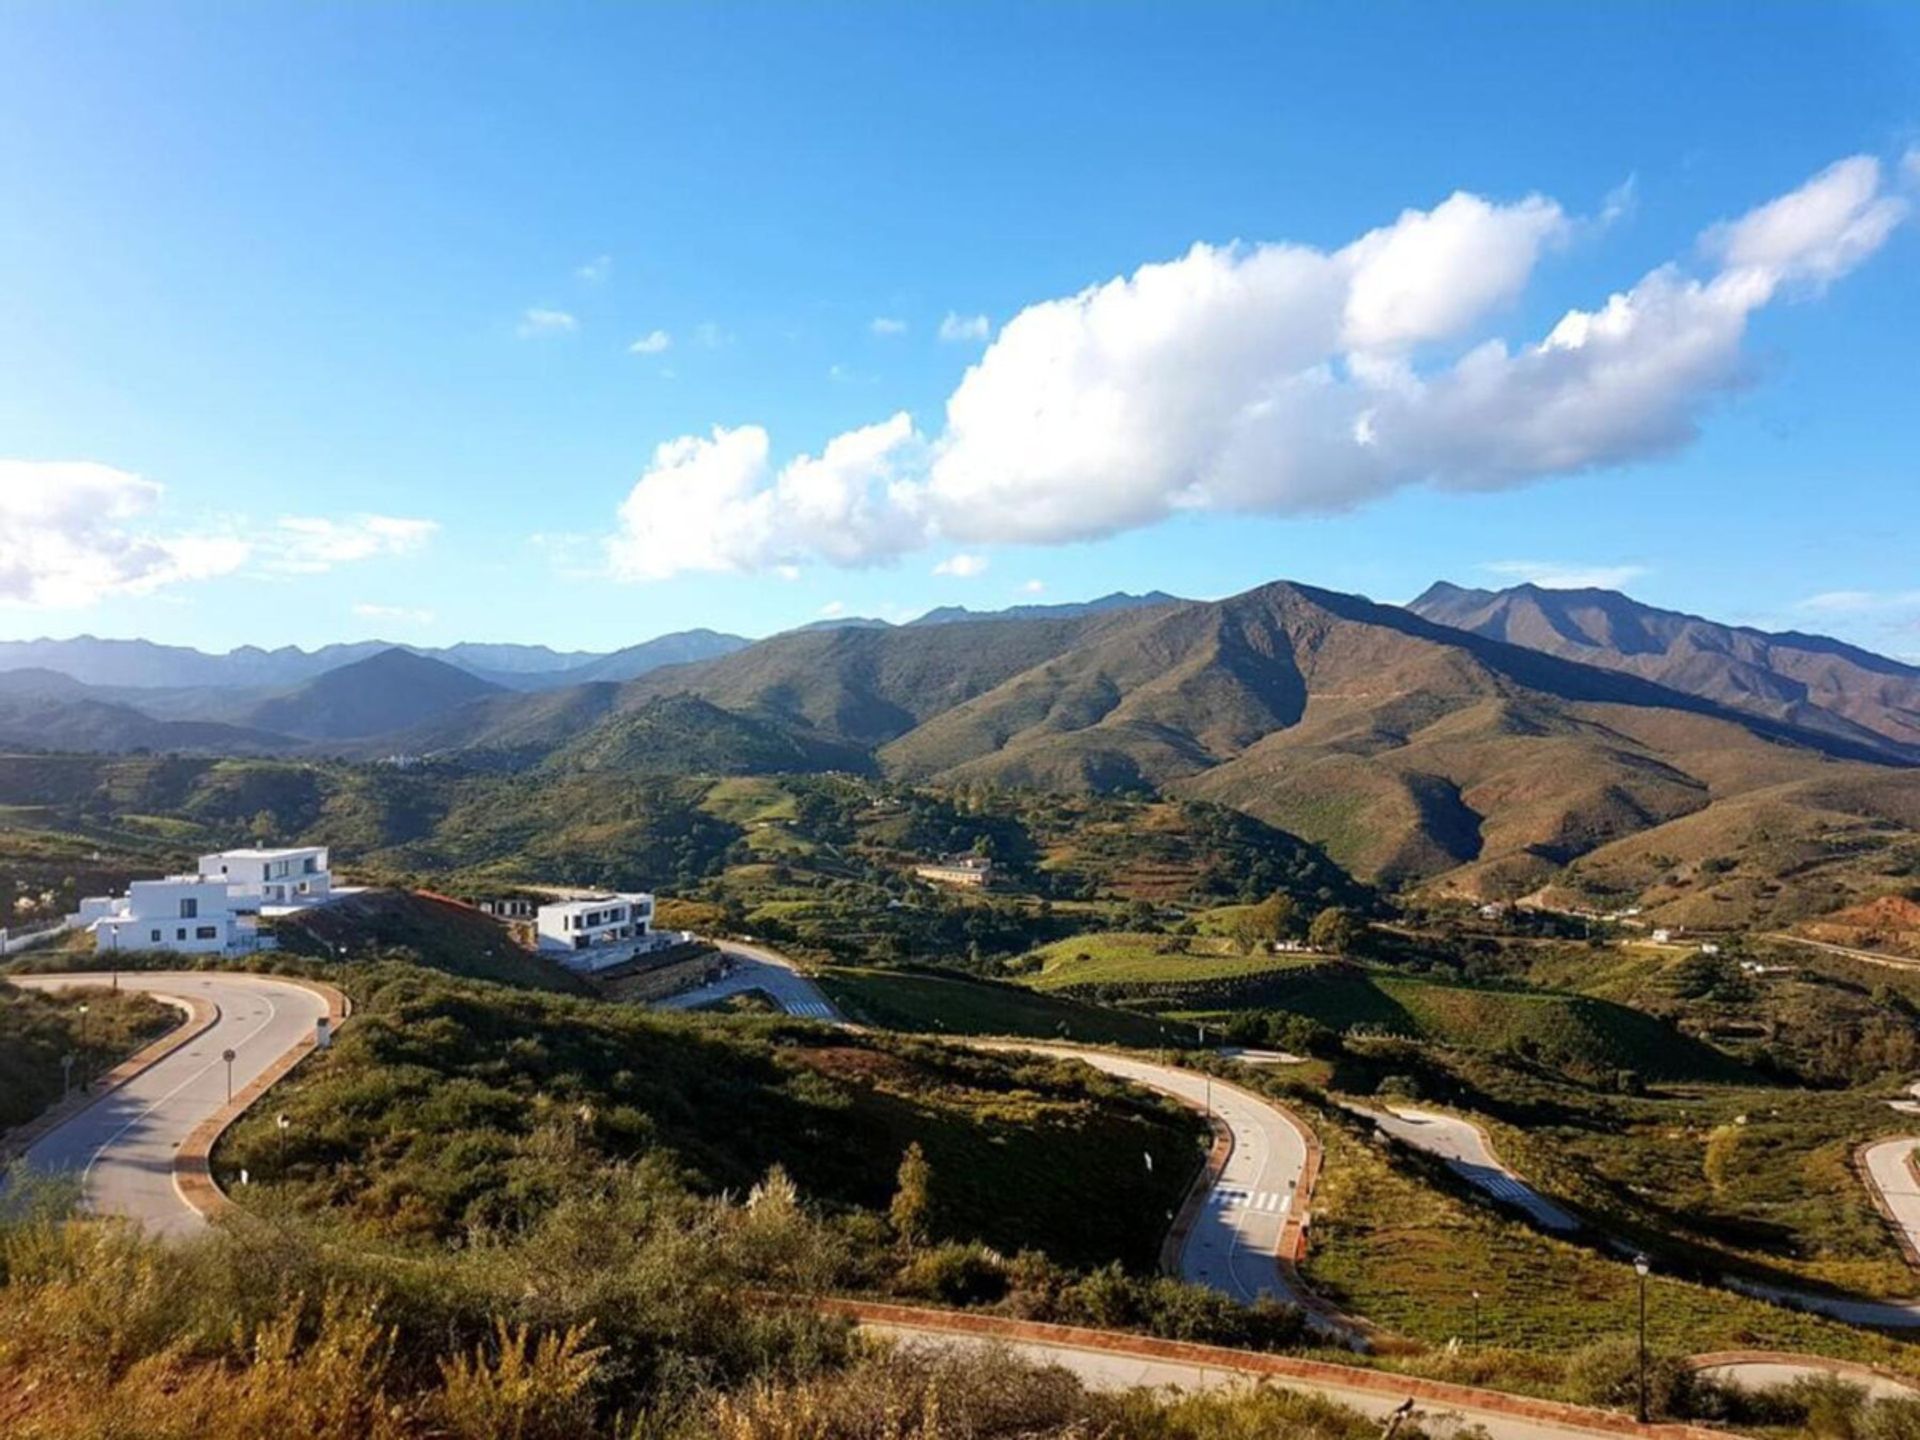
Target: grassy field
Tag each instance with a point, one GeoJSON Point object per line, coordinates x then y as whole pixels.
{"type": "Point", "coordinates": [955, 1005]}
{"type": "Point", "coordinates": [1125, 959]}
{"type": "Point", "coordinates": [1408, 1250]}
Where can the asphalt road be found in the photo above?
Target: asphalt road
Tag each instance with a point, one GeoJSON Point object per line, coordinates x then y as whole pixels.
{"type": "Point", "coordinates": [1466, 1152]}
{"type": "Point", "coordinates": [1233, 1242]}
{"type": "Point", "coordinates": [753, 967]}
{"type": "Point", "coordinates": [1108, 1370]}
{"type": "Point", "coordinates": [122, 1145]}
{"type": "Point", "coordinates": [1468, 1155]}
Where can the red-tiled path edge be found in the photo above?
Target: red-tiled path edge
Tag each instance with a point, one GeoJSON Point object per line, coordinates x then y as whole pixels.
{"type": "Point", "coordinates": [193, 1161]}
{"type": "Point", "coordinates": [200, 1017]}
{"type": "Point", "coordinates": [1437, 1394]}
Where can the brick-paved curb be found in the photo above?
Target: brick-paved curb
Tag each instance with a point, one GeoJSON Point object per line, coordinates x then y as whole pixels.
{"type": "Point", "coordinates": [1880, 1203]}
{"type": "Point", "coordinates": [1845, 1369]}
{"type": "Point", "coordinates": [193, 1161]}
{"type": "Point", "coordinates": [1282, 1368]}
{"type": "Point", "coordinates": [201, 1017]}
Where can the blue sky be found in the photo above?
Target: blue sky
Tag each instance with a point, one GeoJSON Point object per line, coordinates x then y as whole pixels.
{"type": "Point", "coordinates": [321, 322]}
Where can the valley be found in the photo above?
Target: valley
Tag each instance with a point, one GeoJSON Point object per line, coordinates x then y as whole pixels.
{"type": "Point", "coordinates": [1336, 858]}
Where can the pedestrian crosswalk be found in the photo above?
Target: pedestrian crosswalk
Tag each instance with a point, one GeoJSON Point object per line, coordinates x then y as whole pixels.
{"type": "Point", "coordinates": [1502, 1186]}
{"type": "Point", "coordinates": [1233, 1197]}
{"type": "Point", "coordinates": [810, 1009]}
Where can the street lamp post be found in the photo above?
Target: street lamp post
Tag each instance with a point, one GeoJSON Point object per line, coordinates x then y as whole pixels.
{"type": "Point", "coordinates": [83, 1047]}
{"type": "Point", "coordinates": [282, 1123]}
{"type": "Point", "coordinates": [66, 1074]}
{"type": "Point", "coordinates": [1476, 1319]}
{"type": "Point", "coordinates": [1641, 1265]}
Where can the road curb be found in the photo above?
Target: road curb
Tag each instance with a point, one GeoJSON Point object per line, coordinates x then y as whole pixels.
{"type": "Point", "coordinates": [193, 1162]}
{"type": "Point", "coordinates": [1713, 1359]}
{"type": "Point", "coordinates": [1864, 1172]}
{"type": "Point", "coordinates": [1218, 1153]}
{"type": "Point", "coordinates": [1259, 1365]}
{"type": "Point", "coordinates": [202, 1015]}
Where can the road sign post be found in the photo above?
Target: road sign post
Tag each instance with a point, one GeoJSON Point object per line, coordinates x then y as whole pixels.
{"type": "Point", "coordinates": [227, 1055]}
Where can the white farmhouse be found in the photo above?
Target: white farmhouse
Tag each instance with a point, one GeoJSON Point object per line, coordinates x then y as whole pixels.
{"type": "Point", "coordinates": [191, 914]}
{"type": "Point", "coordinates": [290, 877]}
{"type": "Point", "coordinates": [591, 932]}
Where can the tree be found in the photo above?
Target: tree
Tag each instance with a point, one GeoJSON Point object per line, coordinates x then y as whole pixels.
{"type": "Point", "coordinates": [1272, 919]}
{"type": "Point", "coordinates": [1333, 930]}
{"type": "Point", "coordinates": [264, 827]}
{"type": "Point", "coordinates": [912, 1204]}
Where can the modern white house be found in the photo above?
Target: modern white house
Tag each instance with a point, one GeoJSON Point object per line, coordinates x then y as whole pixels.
{"type": "Point", "coordinates": [214, 911]}
{"type": "Point", "coordinates": [293, 877]}
{"type": "Point", "coordinates": [591, 932]}
{"type": "Point", "coordinates": [191, 914]}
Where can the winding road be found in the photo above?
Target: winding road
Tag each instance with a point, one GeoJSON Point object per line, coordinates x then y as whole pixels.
{"type": "Point", "coordinates": [1236, 1234]}
{"type": "Point", "coordinates": [1235, 1239]}
{"type": "Point", "coordinates": [1469, 1154]}
{"type": "Point", "coordinates": [753, 967]}
{"type": "Point", "coordinates": [122, 1145]}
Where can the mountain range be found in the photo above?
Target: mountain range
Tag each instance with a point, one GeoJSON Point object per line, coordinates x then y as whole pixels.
{"type": "Point", "coordinates": [1483, 743]}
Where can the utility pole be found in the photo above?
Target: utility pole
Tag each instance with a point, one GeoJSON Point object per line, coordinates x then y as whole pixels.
{"type": "Point", "coordinates": [1641, 1265]}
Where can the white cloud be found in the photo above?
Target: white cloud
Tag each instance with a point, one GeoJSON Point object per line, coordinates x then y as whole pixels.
{"type": "Point", "coordinates": [963, 329]}
{"type": "Point", "coordinates": [886, 326]}
{"type": "Point", "coordinates": [1818, 232]}
{"type": "Point", "coordinates": [1034, 587]}
{"type": "Point", "coordinates": [1910, 165]}
{"type": "Point", "coordinates": [1277, 379]}
{"type": "Point", "coordinates": [537, 322]}
{"type": "Point", "coordinates": [1858, 602]}
{"type": "Point", "coordinates": [399, 614]}
{"type": "Point", "coordinates": [595, 270]}
{"type": "Point", "coordinates": [833, 609]}
{"type": "Point", "coordinates": [313, 544]}
{"type": "Point", "coordinates": [1554, 575]}
{"type": "Point", "coordinates": [962, 566]}
{"type": "Point", "coordinates": [716, 503]}
{"type": "Point", "coordinates": [654, 342]}
{"type": "Point", "coordinates": [73, 532]}
{"type": "Point", "coordinates": [1621, 201]}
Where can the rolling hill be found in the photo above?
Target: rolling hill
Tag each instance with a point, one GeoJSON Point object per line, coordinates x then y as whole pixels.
{"type": "Point", "coordinates": [382, 694]}
{"type": "Point", "coordinates": [46, 710]}
{"type": "Point", "coordinates": [1807, 681]}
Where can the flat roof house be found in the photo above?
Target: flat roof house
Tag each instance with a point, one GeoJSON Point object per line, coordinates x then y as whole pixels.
{"type": "Point", "coordinates": [296, 875]}
{"type": "Point", "coordinates": [593, 931]}
{"type": "Point", "coordinates": [974, 871]}
{"type": "Point", "coordinates": [189, 914]}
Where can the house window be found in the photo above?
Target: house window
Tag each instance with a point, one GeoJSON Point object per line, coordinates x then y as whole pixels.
{"type": "Point", "coordinates": [181, 933]}
{"type": "Point", "coordinates": [207, 932]}
{"type": "Point", "coordinates": [155, 935]}
{"type": "Point", "coordinates": [189, 909]}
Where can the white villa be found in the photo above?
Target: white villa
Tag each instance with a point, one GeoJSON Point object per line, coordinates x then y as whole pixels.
{"type": "Point", "coordinates": [213, 912]}
{"type": "Point", "coordinates": [187, 913]}
{"type": "Point", "coordinates": [295, 877]}
{"type": "Point", "coordinates": [592, 932]}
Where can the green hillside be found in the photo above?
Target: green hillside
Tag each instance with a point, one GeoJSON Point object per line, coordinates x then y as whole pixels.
{"type": "Point", "coordinates": [451, 1104]}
